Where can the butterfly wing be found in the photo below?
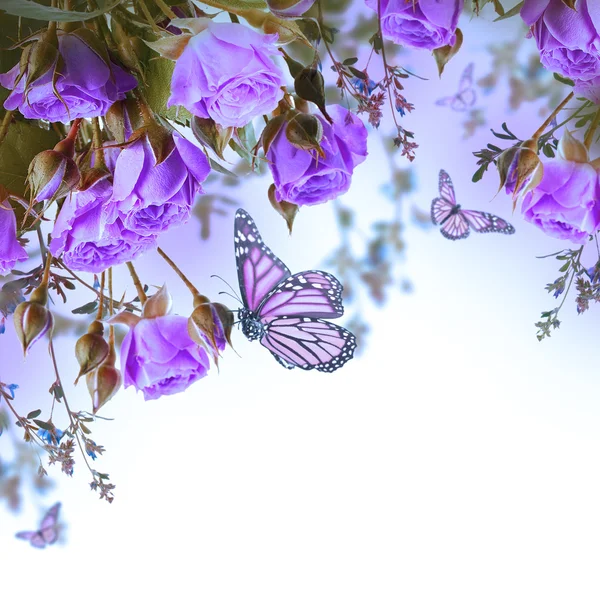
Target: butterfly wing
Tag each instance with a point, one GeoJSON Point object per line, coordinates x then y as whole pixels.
{"type": "Point", "coordinates": [311, 294]}
{"type": "Point", "coordinates": [50, 517]}
{"type": "Point", "coordinates": [447, 101]}
{"type": "Point", "coordinates": [446, 188]}
{"type": "Point", "coordinates": [483, 222]}
{"type": "Point", "coordinates": [33, 537]}
{"type": "Point", "coordinates": [466, 79]}
{"type": "Point", "coordinates": [308, 343]}
{"type": "Point", "coordinates": [442, 207]}
{"type": "Point", "coordinates": [49, 534]}
{"type": "Point", "coordinates": [456, 227]}
{"type": "Point", "coordinates": [259, 270]}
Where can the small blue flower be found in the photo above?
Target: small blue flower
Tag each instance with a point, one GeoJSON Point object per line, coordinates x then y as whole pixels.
{"type": "Point", "coordinates": [11, 388]}
{"type": "Point", "coordinates": [560, 287]}
{"type": "Point", "coordinates": [51, 437]}
{"type": "Point", "coordinates": [593, 273]}
{"type": "Point", "coordinates": [2, 324]}
{"type": "Point", "coordinates": [364, 86]}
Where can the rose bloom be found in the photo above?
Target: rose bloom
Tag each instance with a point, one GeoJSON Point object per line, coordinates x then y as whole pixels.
{"type": "Point", "coordinates": [226, 73]}
{"type": "Point", "coordinates": [565, 204]}
{"type": "Point", "coordinates": [302, 179]}
{"type": "Point", "coordinates": [86, 85]}
{"type": "Point", "coordinates": [159, 358]}
{"type": "Point", "coordinates": [427, 24]}
{"type": "Point", "coordinates": [567, 39]}
{"type": "Point", "coordinates": [153, 197]}
{"type": "Point", "coordinates": [10, 249]}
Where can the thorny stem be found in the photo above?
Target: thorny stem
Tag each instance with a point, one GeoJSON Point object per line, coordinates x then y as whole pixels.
{"type": "Point", "coordinates": [136, 281]}
{"type": "Point", "coordinates": [177, 270]}
{"type": "Point", "coordinates": [99, 162]}
{"type": "Point", "coordinates": [589, 136]}
{"type": "Point", "coordinates": [166, 9]}
{"type": "Point", "coordinates": [46, 276]}
{"type": "Point", "coordinates": [69, 413]}
{"type": "Point", "coordinates": [111, 331]}
{"type": "Point", "coordinates": [103, 27]}
{"type": "Point", "coordinates": [548, 134]}
{"type": "Point", "coordinates": [550, 116]}
{"type": "Point", "coordinates": [5, 124]}
{"type": "Point", "coordinates": [385, 64]}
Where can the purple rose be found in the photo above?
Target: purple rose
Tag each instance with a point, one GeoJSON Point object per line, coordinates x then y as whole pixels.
{"type": "Point", "coordinates": [159, 358]}
{"type": "Point", "coordinates": [302, 179]}
{"type": "Point", "coordinates": [86, 85]}
{"type": "Point", "coordinates": [426, 24]}
{"type": "Point", "coordinates": [226, 73]}
{"type": "Point", "coordinates": [567, 39]}
{"type": "Point", "coordinates": [10, 249]}
{"type": "Point", "coordinates": [152, 197]}
{"type": "Point", "coordinates": [565, 203]}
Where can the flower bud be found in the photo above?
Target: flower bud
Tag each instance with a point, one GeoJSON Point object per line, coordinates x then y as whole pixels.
{"type": "Point", "coordinates": [158, 305]}
{"type": "Point", "coordinates": [122, 119]}
{"type": "Point", "coordinates": [289, 9]}
{"type": "Point", "coordinates": [91, 349]}
{"type": "Point", "coordinates": [211, 134]}
{"type": "Point", "coordinates": [32, 319]}
{"type": "Point", "coordinates": [210, 325]}
{"type": "Point", "coordinates": [305, 132]}
{"type": "Point", "coordinates": [571, 149]}
{"type": "Point", "coordinates": [271, 130]}
{"type": "Point", "coordinates": [520, 168]}
{"type": "Point", "coordinates": [104, 382]}
{"type": "Point", "coordinates": [52, 175]}
{"type": "Point", "coordinates": [42, 56]}
{"type": "Point", "coordinates": [287, 210]}
{"type": "Point", "coordinates": [310, 85]}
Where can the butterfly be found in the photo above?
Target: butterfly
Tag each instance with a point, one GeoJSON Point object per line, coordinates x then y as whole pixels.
{"type": "Point", "coordinates": [48, 531]}
{"type": "Point", "coordinates": [455, 221]}
{"type": "Point", "coordinates": [286, 312]}
{"type": "Point", "coordinates": [465, 97]}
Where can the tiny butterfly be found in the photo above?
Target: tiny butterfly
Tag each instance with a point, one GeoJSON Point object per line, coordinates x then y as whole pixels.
{"type": "Point", "coordinates": [456, 222]}
{"type": "Point", "coordinates": [47, 534]}
{"type": "Point", "coordinates": [465, 98]}
{"type": "Point", "coordinates": [286, 312]}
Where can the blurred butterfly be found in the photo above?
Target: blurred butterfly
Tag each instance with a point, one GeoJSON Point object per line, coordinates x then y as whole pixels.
{"type": "Point", "coordinates": [286, 312]}
{"type": "Point", "coordinates": [465, 98]}
{"type": "Point", "coordinates": [47, 534]}
{"type": "Point", "coordinates": [456, 222]}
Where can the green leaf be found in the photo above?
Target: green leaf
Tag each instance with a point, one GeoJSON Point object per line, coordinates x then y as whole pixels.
{"type": "Point", "coordinates": [44, 425]}
{"type": "Point", "coordinates": [23, 141]}
{"type": "Point", "coordinates": [34, 413]}
{"type": "Point", "coordinates": [564, 80]}
{"type": "Point", "coordinates": [515, 10]}
{"type": "Point", "coordinates": [246, 142]}
{"type": "Point", "coordinates": [231, 5]}
{"type": "Point", "coordinates": [158, 89]}
{"type": "Point", "coordinates": [86, 309]}
{"type": "Point", "coordinates": [33, 10]}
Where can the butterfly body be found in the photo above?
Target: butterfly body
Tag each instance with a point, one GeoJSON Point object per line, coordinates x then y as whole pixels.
{"type": "Point", "coordinates": [286, 312]}
{"type": "Point", "coordinates": [456, 222]}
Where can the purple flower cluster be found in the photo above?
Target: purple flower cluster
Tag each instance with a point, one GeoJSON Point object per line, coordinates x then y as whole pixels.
{"type": "Point", "coordinates": [79, 83]}
{"type": "Point", "coordinates": [119, 216]}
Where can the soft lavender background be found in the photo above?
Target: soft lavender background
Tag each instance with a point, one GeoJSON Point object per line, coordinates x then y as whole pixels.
{"type": "Point", "coordinates": [457, 458]}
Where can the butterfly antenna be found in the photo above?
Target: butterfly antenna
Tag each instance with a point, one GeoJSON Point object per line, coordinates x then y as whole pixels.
{"type": "Point", "coordinates": [229, 286]}
{"type": "Point", "coordinates": [231, 296]}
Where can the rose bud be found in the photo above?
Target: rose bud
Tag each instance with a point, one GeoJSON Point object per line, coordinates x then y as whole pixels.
{"type": "Point", "coordinates": [32, 319]}
{"type": "Point", "coordinates": [211, 134]}
{"type": "Point", "coordinates": [519, 168]}
{"type": "Point", "coordinates": [53, 173]}
{"type": "Point", "coordinates": [288, 210]}
{"type": "Point", "coordinates": [104, 382]}
{"type": "Point", "coordinates": [310, 85]}
{"type": "Point", "coordinates": [305, 132]}
{"type": "Point", "coordinates": [91, 349]}
{"type": "Point", "coordinates": [288, 9]}
{"type": "Point", "coordinates": [210, 325]}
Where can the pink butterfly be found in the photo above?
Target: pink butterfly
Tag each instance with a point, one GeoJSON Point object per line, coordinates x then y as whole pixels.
{"type": "Point", "coordinates": [47, 534]}
{"type": "Point", "coordinates": [465, 97]}
{"type": "Point", "coordinates": [456, 222]}
{"type": "Point", "coordinates": [287, 312]}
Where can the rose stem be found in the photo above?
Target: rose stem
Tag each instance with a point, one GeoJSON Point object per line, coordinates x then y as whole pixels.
{"type": "Point", "coordinates": [385, 64]}
{"type": "Point", "coordinates": [5, 124]}
{"type": "Point", "coordinates": [136, 280]}
{"type": "Point", "coordinates": [147, 15]}
{"type": "Point", "coordinates": [101, 299]}
{"type": "Point", "coordinates": [175, 268]}
{"type": "Point", "coordinates": [589, 136]}
{"type": "Point", "coordinates": [165, 8]}
{"type": "Point", "coordinates": [99, 162]}
{"type": "Point", "coordinates": [111, 331]}
{"type": "Point", "coordinates": [547, 122]}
